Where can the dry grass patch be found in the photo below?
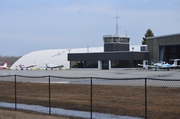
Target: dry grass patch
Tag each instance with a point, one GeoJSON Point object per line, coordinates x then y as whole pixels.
{"type": "Point", "coordinates": [122, 100]}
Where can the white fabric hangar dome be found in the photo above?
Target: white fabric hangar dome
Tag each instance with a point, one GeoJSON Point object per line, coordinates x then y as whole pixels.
{"type": "Point", "coordinates": [53, 56]}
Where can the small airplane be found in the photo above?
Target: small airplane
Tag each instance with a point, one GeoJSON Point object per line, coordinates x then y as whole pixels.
{"type": "Point", "coordinates": [163, 65]}
{"type": "Point", "coordinates": [4, 66]}
{"type": "Point", "coordinates": [52, 66]}
{"type": "Point", "coordinates": [22, 66]}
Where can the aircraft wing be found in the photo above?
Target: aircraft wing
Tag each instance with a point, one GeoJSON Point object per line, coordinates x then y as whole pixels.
{"type": "Point", "coordinates": [55, 66]}
{"type": "Point", "coordinates": [152, 66]}
{"type": "Point", "coordinates": [26, 66]}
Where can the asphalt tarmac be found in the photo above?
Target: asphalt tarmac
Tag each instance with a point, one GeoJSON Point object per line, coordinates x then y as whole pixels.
{"type": "Point", "coordinates": [173, 73]}
{"type": "Point", "coordinates": [155, 78]}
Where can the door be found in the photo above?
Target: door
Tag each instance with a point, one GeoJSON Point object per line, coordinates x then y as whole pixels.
{"type": "Point", "coordinates": [105, 65]}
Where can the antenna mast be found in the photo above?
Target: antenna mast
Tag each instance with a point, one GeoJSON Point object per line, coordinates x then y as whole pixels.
{"type": "Point", "coordinates": [117, 23]}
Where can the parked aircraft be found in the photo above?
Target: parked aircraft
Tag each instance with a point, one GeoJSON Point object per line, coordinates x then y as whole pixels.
{"type": "Point", "coordinates": [22, 66]}
{"type": "Point", "coordinates": [52, 66]}
{"type": "Point", "coordinates": [4, 66]}
{"type": "Point", "coordinates": [163, 65]}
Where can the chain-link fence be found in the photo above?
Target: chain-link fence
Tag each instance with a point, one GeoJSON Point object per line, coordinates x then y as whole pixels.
{"type": "Point", "coordinates": [163, 100]}
{"type": "Point", "coordinates": [92, 97]}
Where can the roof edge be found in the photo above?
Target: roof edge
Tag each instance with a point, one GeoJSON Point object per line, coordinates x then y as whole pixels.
{"type": "Point", "coordinates": [148, 38]}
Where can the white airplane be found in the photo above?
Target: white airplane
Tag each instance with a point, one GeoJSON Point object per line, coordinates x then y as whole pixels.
{"type": "Point", "coordinates": [4, 66]}
{"type": "Point", "coordinates": [52, 66]}
{"type": "Point", "coordinates": [22, 66]}
{"type": "Point", "coordinates": [163, 65]}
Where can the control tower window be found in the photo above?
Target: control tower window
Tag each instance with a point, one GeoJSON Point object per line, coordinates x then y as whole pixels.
{"type": "Point", "coordinates": [107, 40]}
{"type": "Point", "coordinates": [116, 39]}
{"type": "Point", "coordinates": [124, 40]}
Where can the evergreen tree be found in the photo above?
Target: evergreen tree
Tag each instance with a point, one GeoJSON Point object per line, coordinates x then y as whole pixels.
{"type": "Point", "coordinates": [149, 33]}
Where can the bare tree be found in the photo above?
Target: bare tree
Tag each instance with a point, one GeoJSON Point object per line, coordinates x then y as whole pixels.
{"type": "Point", "coordinates": [9, 59]}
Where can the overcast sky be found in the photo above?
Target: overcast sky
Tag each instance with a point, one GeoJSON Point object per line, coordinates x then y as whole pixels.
{"type": "Point", "coordinates": [31, 25]}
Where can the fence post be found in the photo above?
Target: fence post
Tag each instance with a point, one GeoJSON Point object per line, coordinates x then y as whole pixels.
{"type": "Point", "coordinates": [49, 96]}
{"type": "Point", "coordinates": [91, 97]}
{"type": "Point", "coordinates": [145, 98]}
{"type": "Point", "coordinates": [15, 93]}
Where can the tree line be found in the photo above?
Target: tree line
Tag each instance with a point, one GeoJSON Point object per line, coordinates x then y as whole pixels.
{"type": "Point", "coordinates": [9, 59]}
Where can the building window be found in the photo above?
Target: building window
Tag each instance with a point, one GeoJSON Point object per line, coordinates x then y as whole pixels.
{"type": "Point", "coordinates": [125, 63]}
{"type": "Point", "coordinates": [115, 39]}
{"type": "Point", "coordinates": [124, 40]}
{"type": "Point", "coordinates": [84, 64]}
{"type": "Point", "coordinates": [108, 40]}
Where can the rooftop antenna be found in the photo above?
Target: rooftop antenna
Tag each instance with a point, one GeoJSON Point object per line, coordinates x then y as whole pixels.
{"type": "Point", "coordinates": [126, 33]}
{"type": "Point", "coordinates": [117, 23]}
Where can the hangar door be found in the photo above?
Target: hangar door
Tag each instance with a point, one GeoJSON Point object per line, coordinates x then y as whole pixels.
{"type": "Point", "coordinates": [167, 52]}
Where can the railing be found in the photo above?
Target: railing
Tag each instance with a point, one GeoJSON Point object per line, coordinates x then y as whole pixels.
{"type": "Point", "coordinates": [135, 97]}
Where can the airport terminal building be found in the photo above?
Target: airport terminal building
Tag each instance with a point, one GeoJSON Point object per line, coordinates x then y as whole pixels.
{"type": "Point", "coordinates": [116, 55]}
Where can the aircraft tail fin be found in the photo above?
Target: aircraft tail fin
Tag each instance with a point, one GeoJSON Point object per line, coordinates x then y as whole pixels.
{"type": "Point", "coordinates": [46, 64]}
{"type": "Point", "coordinates": [21, 66]}
{"type": "Point", "coordinates": [175, 62]}
{"type": "Point", "coordinates": [34, 64]}
{"type": "Point", "coordinates": [5, 65]}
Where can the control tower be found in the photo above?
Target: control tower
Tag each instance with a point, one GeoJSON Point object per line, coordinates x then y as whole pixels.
{"type": "Point", "coordinates": [116, 42]}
